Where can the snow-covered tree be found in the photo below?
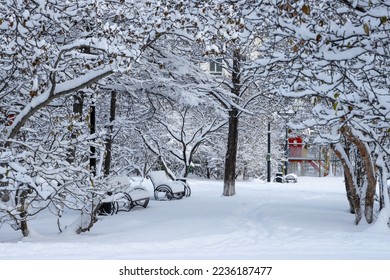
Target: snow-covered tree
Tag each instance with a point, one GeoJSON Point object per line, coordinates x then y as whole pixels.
{"type": "Point", "coordinates": [233, 33]}
{"type": "Point", "coordinates": [337, 54]}
{"type": "Point", "coordinates": [50, 50]}
{"type": "Point", "coordinates": [182, 129]}
{"type": "Point", "coordinates": [165, 100]}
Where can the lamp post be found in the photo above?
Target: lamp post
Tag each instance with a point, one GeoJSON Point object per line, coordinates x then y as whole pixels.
{"type": "Point", "coordinates": [286, 153]}
{"type": "Point", "coordinates": [92, 131]}
{"type": "Point", "coordinates": [269, 153]}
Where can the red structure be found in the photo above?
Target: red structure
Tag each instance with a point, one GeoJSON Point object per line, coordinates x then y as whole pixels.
{"type": "Point", "coordinates": [295, 146]}
{"type": "Point", "coordinates": [300, 161]}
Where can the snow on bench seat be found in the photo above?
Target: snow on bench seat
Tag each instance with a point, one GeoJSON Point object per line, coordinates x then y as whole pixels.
{"type": "Point", "coordinates": [168, 189]}
{"type": "Point", "coordinates": [122, 196]}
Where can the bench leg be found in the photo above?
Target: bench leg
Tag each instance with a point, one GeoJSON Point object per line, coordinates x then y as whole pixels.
{"type": "Point", "coordinates": [146, 202]}
{"type": "Point", "coordinates": [163, 195]}
{"type": "Point", "coordinates": [132, 203]}
{"type": "Point", "coordinates": [187, 191]}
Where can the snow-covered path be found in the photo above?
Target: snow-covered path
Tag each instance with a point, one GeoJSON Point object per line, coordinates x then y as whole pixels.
{"type": "Point", "coordinates": [307, 220]}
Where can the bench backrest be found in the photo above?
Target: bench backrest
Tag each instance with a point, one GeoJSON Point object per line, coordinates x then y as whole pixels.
{"type": "Point", "coordinates": [158, 177]}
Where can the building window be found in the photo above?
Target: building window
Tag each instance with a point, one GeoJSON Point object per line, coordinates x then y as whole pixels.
{"type": "Point", "coordinates": [216, 66]}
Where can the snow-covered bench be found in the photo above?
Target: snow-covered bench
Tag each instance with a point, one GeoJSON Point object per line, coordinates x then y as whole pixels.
{"type": "Point", "coordinates": [121, 196]}
{"type": "Point", "coordinates": [168, 189]}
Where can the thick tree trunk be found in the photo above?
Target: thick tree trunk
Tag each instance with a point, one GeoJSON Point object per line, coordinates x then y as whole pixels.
{"type": "Point", "coordinates": [231, 152]}
{"type": "Point", "coordinates": [231, 155]}
{"type": "Point", "coordinates": [370, 172]}
{"type": "Point", "coordinates": [109, 140]}
{"type": "Point", "coordinates": [350, 184]}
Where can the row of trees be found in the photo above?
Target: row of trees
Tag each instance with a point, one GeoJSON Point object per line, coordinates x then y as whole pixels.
{"type": "Point", "coordinates": [93, 88]}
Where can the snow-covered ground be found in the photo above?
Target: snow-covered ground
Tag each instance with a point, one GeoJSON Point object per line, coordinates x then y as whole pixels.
{"type": "Point", "coordinates": [307, 220]}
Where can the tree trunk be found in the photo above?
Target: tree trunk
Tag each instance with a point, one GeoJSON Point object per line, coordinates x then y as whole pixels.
{"type": "Point", "coordinates": [91, 219]}
{"type": "Point", "coordinates": [231, 152]}
{"type": "Point", "coordinates": [23, 212]}
{"type": "Point", "coordinates": [350, 184]}
{"type": "Point", "coordinates": [231, 155]}
{"type": "Point", "coordinates": [186, 171]}
{"type": "Point", "coordinates": [208, 173]}
{"type": "Point", "coordinates": [348, 188]}
{"type": "Point", "coordinates": [77, 113]}
{"type": "Point", "coordinates": [382, 182]}
{"type": "Point", "coordinates": [109, 140]}
{"type": "Point", "coordinates": [370, 172]}
{"type": "Point", "coordinates": [383, 186]}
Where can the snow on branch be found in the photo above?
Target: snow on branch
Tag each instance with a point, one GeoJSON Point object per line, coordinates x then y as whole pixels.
{"type": "Point", "coordinates": [57, 90]}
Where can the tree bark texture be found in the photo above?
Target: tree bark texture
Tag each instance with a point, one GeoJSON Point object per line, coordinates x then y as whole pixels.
{"type": "Point", "coordinates": [109, 140]}
{"type": "Point", "coordinates": [232, 145]}
{"type": "Point", "coordinates": [350, 185]}
{"type": "Point", "coordinates": [370, 172]}
{"type": "Point", "coordinates": [382, 182]}
{"type": "Point", "coordinates": [231, 155]}
{"type": "Point", "coordinates": [78, 102]}
{"type": "Point", "coordinates": [21, 197]}
{"type": "Point", "coordinates": [384, 188]}
{"type": "Point", "coordinates": [348, 188]}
